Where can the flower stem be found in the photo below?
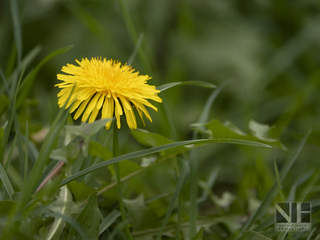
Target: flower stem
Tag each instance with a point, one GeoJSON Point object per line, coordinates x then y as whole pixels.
{"type": "Point", "coordinates": [117, 171]}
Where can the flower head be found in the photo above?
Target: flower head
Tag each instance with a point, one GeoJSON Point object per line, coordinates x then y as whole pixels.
{"type": "Point", "coordinates": [108, 87]}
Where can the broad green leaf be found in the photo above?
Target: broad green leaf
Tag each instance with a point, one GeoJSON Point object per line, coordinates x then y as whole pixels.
{"type": "Point", "coordinates": [126, 167]}
{"type": "Point", "coordinates": [95, 149]}
{"type": "Point", "coordinates": [195, 83]}
{"type": "Point", "coordinates": [141, 216]}
{"type": "Point", "coordinates": [6, 182]}
{"type": "Point", "coordinates": [153, 139]}
{"type": "Point", "coordinates": [71, 222]}
{"type": "Point", "coordinates": [87, 130]}
{"type": "Point", "coordinates": [108, 221]}
{"type": "Point", "coordinates": [64, 206]}
{"type": "Point", "coordinates": [4, 103]}
{"type": "Point", "coordinates": [89, 219]}
{"type": "Point", "coordinates": [149, 139]}
{"type": "Point", "coordinates": [199, 235]}
{"type": "Point", "coordinates": [229, 130]}
{"type": "Point", "coordinates": [6, 207]}
{"type": "Point", "coordinates": [262, 131]}
{"type": "Point", "coordinates": [251, 235]}
{"type": "Point", "coordinates": [80, 190]}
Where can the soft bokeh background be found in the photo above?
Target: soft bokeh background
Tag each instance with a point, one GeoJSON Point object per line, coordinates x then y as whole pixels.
{"type": "Point", "coordinates": [269, 49]}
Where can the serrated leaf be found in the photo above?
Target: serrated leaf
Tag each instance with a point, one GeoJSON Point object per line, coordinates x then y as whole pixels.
{"type": "Point", "coordinates": [64, 206]}
{"type": "Point", "coordinates": [195, 83]}
{"type": "Point", "coordinates": [230, 131]}
{"type": "Point", "coordinates": [87, 130]}
{"type": "Point", "coordinates": [149, 139]}
{"type": "Point", "coordinates": [262, 131]}
{"type": "Point", "coordinates": [141, 216]}
{"type": "Point", "coordinates": [251, 235]}
{"type": "Point", "coordinates": [65, 153]}
{"type": "Point", "coordinates": [89, 219]}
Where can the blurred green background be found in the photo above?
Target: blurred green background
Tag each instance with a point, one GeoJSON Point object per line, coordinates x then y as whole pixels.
{"type": "Point", "coordinates": [270, 50]}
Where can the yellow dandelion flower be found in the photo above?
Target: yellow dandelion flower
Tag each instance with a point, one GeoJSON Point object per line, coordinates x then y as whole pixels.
{"type": "Point", "coordinates": [108, 87]}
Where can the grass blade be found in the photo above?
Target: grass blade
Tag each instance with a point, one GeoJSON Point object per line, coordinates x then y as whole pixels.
{"type": "Point", "coordinates": [273, 190]}
{"type": "Point", "coordinates": [136, 49]}
{"type": "Point", "coordinates": [44, 153]}
{"type": "Point", "coordinates": [16, 28]}
{"type": "Point", "coordinates": [108, 221]}
{"type": "Point", "coordinates": [6, 182]}
{"type": "Point", "coordinates": [24, 63]}
{"type": "Point", "coordinates": [96, 149]}
{"type": "Point", "coordinates": [278, 181]}
{"type": "Point", "coordinates": [163, 108]}
{"type": "Point", "coordinates": [310, 235]}
{"type": "Point", "coordinates": [296, 184]}
{"type": "Point", "coordinates": [17, 125]}
{"type": "Point", "coordinates": [28, 81]}
{"type": "Point", "coordinates": [181, 181]}
{"type": "Point", "coordinates": [26, 154]}
{"type": "Point", "coordinates": [207, 107]}
{"type": "Point", "coordinates": [195, 83]}
{"type": "Point", "coordinates": [13, 144]}
{"type": "Point", "coordinates": [194, 161]}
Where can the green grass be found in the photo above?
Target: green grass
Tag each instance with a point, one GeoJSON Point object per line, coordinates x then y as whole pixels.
{"type": "Point", "coordinates": [237, 130]}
